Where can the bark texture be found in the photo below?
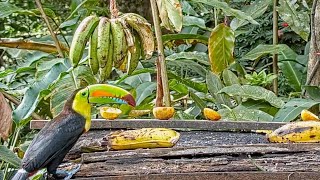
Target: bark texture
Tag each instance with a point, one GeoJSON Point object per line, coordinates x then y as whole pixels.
{"type": "Point", "coordinates": [312, 55]}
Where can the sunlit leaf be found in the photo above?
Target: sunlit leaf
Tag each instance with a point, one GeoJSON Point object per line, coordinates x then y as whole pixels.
{"type": "Point", "coordinates": [221, 47]}
{"type": "Point", "coordinates": [145, 90]}
{"type": "Point", "coordinates": [170, 13]}
{"type": "Point", "coordinates": [263, 49]}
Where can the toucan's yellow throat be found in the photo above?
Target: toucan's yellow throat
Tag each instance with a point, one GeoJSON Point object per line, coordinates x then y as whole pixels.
{"type": "Point", "coordinates": [101, 94]}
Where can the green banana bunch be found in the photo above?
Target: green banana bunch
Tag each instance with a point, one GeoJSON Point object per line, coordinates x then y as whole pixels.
{"type": "Point", "coordinates": [81, 37]}
{"type": "Point", "coordinates": [143, 28]}
{"type": "Point", "coordinates": [116, 42]}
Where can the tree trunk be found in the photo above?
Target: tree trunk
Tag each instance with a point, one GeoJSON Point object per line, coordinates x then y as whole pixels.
{"type": "Point", "coordinates": [313, 57]}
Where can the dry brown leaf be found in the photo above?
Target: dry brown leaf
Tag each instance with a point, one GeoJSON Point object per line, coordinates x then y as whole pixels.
{"type": "Point", "coordinates": [5, 118]}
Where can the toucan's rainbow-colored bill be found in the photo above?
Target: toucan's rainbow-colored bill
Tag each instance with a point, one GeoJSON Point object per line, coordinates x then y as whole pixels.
{"type": "Point", "coordinates": [104, 94]}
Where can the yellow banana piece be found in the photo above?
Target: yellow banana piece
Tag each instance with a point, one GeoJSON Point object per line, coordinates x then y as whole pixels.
{"type": "Point", "coordinates": [81, 37]}
{"type": "Point", "coordinates": [93, 59]}
{"type": "Point", "coordinates": [120, 48]}
{"type": "Point", "coordinates": [143, 28]}
{"type": "Point", "coordinates": [143, 138]}
{"type": "Point", "coordinates": [301, 132]}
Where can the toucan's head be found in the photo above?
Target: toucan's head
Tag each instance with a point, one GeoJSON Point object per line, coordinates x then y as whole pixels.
{"type": "Point", "coordinates": [99, 94]}
{"type": "Point", "coordinates": [105, 94]}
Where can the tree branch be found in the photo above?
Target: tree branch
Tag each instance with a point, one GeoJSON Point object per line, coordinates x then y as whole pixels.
{"type": "Point", "coordinates": [46, 20]}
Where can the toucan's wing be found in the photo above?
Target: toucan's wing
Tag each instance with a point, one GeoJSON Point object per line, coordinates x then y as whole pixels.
{"type": "Point", "coordinates": [52, 140]}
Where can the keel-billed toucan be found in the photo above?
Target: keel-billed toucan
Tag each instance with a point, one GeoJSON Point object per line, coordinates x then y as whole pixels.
{"type": "Point", "coordinates": [58, 136]}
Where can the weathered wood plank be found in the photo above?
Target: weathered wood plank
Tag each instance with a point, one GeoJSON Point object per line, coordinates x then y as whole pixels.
{"type": "Point", "coordinates": [199, 151]}
{"type": "Point", "coordinates": [217, 176]}
{"type": "Point", "coordinates": [290, 162]}
{"type": "Point", "coordinates": [183, 124]}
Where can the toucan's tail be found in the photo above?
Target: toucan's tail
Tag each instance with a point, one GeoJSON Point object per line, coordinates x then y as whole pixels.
{"type": "Point", "coordinates": [21, 175]}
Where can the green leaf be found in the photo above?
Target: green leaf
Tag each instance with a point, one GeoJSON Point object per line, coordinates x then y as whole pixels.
{"type": "Point", "coordinates": [190, 83]}
{"type": "Point", "coordinates": [199, 57]}
{"type": "Point", "coordinates": [228, 10]}
{"type": "Point", "coordinates": [6, 9]}
{"type": "Point", "coordinates": [255, 10]}
{"type": "Point", "coordinates": [214, 85]}
{"type": "Point", "coordinates": [293, 108]}
{"type": "Point", "coordinates": [229, 78]}
{"type": "Point", "coordinates": [253, 92]}
{"type": "Point", "coordinates": [8, 156]}
{"type": "Point", "coordinates": [241, 113]}
{"type": "Point", "coordinates": [298, 21]}
{"type": "Point", "coordinates": [194, 21]}
{"type": "Point", "coordinates": [70, 22]}
{"type": "Point", "coordinates": [178, 87]}
{"type": "Point", "coordinates": [45, 65]}
{"type": "Point", "coordinates": [293, 75]}
{"type": "Point", "coordinates": [33, 94]}
{"type": "Point", "coordinates": [61, 90]}
{"type": "Point", "coordinates": [136, 72]}
{"type": "Point", "coordinates": [262, 50]}
{"type": "Point", "coordinates": [195, 37]}
{"type": "Point", "coordinates": [189, 66]}
{"type": "Point", "coordinates": [199, 102]}
{"type": "Point", "coordinates": [221, 46]}
{"type": "Point", "coordinates": [145, 90]}
{"type": "Point", "coordinates": [313, 92]}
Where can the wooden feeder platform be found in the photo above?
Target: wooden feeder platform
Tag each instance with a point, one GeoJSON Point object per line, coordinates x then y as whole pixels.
{"type": "Point", "coordinates": [220, 150]}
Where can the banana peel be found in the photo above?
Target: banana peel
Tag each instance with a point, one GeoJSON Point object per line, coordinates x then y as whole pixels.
{"type": "Point", "coordinates": [297, 132]}
{"type": "Point", "coordinates": [142, 138]}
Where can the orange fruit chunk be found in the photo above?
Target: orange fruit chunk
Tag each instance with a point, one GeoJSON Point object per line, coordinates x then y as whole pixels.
{"type": "Point", "coordinates": [110, 113]}
{"type": "Point", "coordinates": [211, 114]}
{"type": "Point", "coordinates": [308, 116]}
{"type": "Point", "coordinates": [163, 113]}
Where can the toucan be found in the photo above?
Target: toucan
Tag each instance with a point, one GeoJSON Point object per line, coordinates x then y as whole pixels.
{"type": "Point", "coordinates": [58, 136]}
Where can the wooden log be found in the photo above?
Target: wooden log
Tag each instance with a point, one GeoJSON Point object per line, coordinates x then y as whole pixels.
{"type": "Point", "coordinates": [217, 176]}
{"type": "Point", "coordinates": [190, 152]}
{"type": "Point", "coordinates": [174, 124]}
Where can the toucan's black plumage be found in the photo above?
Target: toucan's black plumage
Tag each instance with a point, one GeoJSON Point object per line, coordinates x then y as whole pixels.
{"type": "Point", "coordinates": [54, 141]}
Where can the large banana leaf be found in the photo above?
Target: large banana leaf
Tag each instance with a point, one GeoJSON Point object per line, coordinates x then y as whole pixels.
{"type": "Point", "coordinates": [221, 47]}
{"type": "Point", "coordinates": [253, 92]}
{"type": "Point", "coordinates": [144, 90]}
{"type": "Point", "coordinates": [293, 108]}
{"type": "Point", "coordinates": [34, 93]}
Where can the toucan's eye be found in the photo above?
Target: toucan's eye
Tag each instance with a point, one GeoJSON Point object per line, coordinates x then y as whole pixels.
{"type": "Point", "coordinates": [84, 93]}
